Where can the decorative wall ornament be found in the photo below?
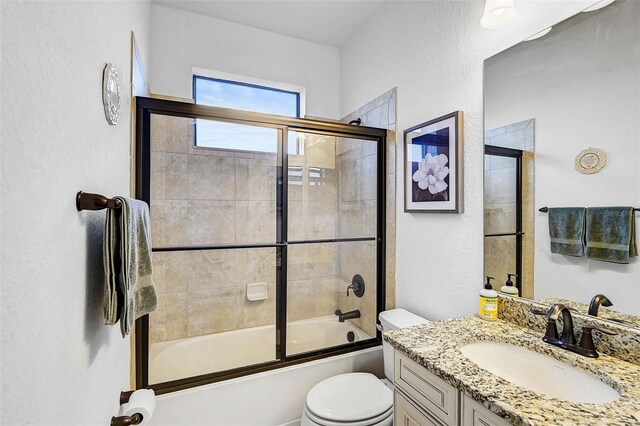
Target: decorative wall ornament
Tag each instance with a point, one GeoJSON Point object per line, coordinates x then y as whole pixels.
{"type": "Point", "coordinates": [590, 161]}
{"type": "Point", "coordinates": [433, 166]}
{"type": "Point", "coordinates": [111, 93]}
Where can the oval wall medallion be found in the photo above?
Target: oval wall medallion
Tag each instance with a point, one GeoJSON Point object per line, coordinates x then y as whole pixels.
{"type": "Point", "coordinates": [111, 94]}
{"type": "Point", "coordinates": [590, 161]}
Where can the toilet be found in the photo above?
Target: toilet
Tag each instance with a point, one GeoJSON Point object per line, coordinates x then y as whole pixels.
{"type": "Point", "coordinates": [359, 399]}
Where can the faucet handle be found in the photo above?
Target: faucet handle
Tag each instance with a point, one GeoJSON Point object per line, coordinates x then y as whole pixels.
{"type": "Point", "coordinates": [586, 341]}
{"type": "Point", "coordinates": [357, 285]}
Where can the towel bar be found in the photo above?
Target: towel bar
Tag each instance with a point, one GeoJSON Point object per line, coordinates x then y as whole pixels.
{"type": "Point", "coordinates": [546, 209]}
{"type": "Point", "coordinates": [88, 201]}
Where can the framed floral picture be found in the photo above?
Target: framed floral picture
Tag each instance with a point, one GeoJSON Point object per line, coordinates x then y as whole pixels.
{"type": "Point", "coordinates": [433, 155]}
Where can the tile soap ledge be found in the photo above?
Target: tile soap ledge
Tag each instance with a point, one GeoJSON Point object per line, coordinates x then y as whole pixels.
{"type": "Point", "coordinates": [436, 347]}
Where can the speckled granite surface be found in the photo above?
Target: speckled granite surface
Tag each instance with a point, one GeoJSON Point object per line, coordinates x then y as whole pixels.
{"type": "Point", "coordinates": [603, 313]}
{"type": "Point", "coordinates": [624, 345]}
{"type": "Point", "coordinates": [436, 347]}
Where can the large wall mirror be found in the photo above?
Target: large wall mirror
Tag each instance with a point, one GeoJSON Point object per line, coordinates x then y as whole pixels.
{"type": "Point", "coordinates": [546, 100]}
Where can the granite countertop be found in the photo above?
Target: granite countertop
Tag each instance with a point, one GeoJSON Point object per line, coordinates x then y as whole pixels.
{"type": "Point", "coordinates": [436, 345]}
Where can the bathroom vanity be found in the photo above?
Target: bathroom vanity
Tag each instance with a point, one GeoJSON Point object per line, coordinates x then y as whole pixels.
{"type": "Point", "coordinates": [422, 398]}
{"type": "Point", "coordinates": [437, 384]}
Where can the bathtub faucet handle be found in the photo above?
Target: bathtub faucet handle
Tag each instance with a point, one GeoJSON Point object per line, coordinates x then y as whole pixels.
{"type": "Point", "coordinates": [357, 285]}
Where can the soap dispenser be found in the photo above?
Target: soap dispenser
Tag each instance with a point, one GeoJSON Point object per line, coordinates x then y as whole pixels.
{"type": "Point", "coordinates": [509, 288]}
{"type": "Point", "coordinates": [488, 302]}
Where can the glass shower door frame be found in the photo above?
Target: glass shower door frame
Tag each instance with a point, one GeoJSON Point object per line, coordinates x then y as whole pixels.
{"type": "Point", "coordinates": [145, 107]}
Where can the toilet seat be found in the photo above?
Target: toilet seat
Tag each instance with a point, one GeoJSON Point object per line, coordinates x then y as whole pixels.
{"type": "Point", "coordinates": [354, 398]}
{"type": "Point", "coordinates": [308, 416]}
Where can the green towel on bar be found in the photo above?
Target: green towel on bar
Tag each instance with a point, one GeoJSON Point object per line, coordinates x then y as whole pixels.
{"type": "Point", "coordinates": [566, 230]}
{"type": "Point", "coordinates": [129, 290]}
{"type": "Point", "coordinates": [611, 234]}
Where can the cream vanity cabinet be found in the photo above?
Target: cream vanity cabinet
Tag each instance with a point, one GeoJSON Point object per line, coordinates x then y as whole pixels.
{"type": "Point", "coordinates": [423, 399]}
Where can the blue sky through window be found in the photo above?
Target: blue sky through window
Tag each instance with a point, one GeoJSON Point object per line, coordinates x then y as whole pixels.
{"type": "Point", "coordinates": [229, 94]}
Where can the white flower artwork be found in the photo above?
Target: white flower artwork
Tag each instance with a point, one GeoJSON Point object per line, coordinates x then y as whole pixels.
{"type": "Point", "coordinates": [432, 171]}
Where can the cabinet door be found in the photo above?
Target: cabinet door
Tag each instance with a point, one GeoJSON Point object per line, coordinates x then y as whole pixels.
{"type": "Point", "coordinates": [406, 413]}
{"type": "Point", "coordinates": [474, 414]}
{"type": "Point", "coordinates": [429, 391]}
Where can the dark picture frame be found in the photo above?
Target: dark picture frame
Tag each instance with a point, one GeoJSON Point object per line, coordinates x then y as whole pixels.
{"type": "Point", "coordinates": [433, 165]}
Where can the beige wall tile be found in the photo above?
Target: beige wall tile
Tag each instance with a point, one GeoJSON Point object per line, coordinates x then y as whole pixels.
{"type": "Point", "coordinates": [308, 261]}
{"type": "Point", "coordinates": [211, 178]}
{"type": "Point", "coordinates": [349, 180]}
{"type": "Point", "coordinates": [170, 271]}
{"type": "Point", "coordinates": [255, 221]}
{"type": "Point", "coordinates": [368, 178]}
{"type": "Point", "coordinates": [312, 220]}
{"type": "Point", "coordinates": [167, 223]}
{"type": "Point", "coordinates": [390, 249]}
{"type": "Point", "coordinates": [212, 311]}
{"type": "Point", "coordinates": [499, 218]}
{"type": "Point", "coordinates": [296, 221]}
{"type": "Point", "coordinates": [211, 269]}
{"type": "Point", "coordinates": [171, 134]}
{"type": "Point", "coordinates": [391, 152]}
{"type": "Point", "coordinates": [255, 179]}
{"type": "Point", "coordinates": [169, 176]}
{"type": "Point", "coordinates": [255, 265]}
{"type": "Point", "coordinates": [301, 297]}
{"type": "Point", "coordinates": [500, 258]}
{"type": "Point", "coordinates": [391, 291]}
{"type": "Point", "coordinates": [391, 199]}
{"type": "Point", "coordinates": [169, 321]}
{"type": "Point", "coordinates": [377, 117]}
{"type": "Point", "coordinates": [357, 219]}
{"type": "Point", "coordinates": [322, 189]}
{"type": "Point", "coordinates": [210, 222]}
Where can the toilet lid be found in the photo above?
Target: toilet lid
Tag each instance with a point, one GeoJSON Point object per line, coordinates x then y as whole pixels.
{"type": "Point", "coordinates": [349, 397]}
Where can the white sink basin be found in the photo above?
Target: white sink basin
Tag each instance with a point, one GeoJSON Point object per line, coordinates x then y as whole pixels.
{"type": "Point", "coordinates": [539, 373]}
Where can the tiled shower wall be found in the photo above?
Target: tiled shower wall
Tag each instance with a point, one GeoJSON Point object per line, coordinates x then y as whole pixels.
{"type": "Point", "coordinates": [206, 196]}
{"type": "Point", "coordinates": [202, 197]}
{"type": "Point", "coordinates": [381, 113]}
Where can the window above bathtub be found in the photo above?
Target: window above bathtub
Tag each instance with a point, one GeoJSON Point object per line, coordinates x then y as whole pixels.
{"type": "Point", "coordinates": [225, 90]}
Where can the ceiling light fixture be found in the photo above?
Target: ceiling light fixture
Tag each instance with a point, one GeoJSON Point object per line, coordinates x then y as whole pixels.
{"type": "Point", "coordinates": [498, 13]}
{"type": "Point", "coordinates": [599, 5]}
{"type": "Point", "coordinates": [539, 34]}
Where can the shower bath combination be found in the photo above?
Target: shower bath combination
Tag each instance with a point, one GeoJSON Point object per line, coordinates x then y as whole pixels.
{"type": "Point", "coordinates": [292, 203]}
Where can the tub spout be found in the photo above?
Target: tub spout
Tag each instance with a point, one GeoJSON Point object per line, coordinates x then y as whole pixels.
{"type": "Point", "coordinates": [347, 315]}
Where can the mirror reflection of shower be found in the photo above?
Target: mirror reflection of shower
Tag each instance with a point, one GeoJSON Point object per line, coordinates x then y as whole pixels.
{"type": "Point", "coordinates": [509, 205]}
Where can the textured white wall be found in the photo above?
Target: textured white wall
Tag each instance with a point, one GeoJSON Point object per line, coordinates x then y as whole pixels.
{"type": "Point", "coordinates": [60, 364]}
{"type": "Point", "coordinates": [433, 52]}
{"type": "Point", "coordinates": [182, 40]}
{"type": "Point", "coordinates": [582, 86]}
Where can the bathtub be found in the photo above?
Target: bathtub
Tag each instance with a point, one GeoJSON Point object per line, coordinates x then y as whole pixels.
{"type": "Point", "coordinates": [193, 356]}
{"type": "Point", "coordinates": [274, 397]}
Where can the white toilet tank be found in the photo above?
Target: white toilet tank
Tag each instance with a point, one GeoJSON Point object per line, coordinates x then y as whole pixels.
{"type": "Point", "coordinates": [393, 320]}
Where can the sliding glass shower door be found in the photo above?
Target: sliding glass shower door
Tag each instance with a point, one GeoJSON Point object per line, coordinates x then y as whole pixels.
{"type": "Point", "coordinates": [260, 224]}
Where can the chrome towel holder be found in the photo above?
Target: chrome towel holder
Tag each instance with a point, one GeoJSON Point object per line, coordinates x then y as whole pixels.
{"type": "Point", "coordinates": [89, 201]}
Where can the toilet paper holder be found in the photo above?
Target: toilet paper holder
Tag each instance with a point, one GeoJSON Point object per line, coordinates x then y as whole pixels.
{"type": "Point", "coordinates": [131, 419]}
{"type": "Point", "coordinates": [134, 419]}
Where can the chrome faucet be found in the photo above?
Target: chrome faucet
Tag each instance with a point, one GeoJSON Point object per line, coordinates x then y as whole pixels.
{"type": "Point", "coordinates": [347, 315]}
{"type": "Point", "coordinates": [567, 339]}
